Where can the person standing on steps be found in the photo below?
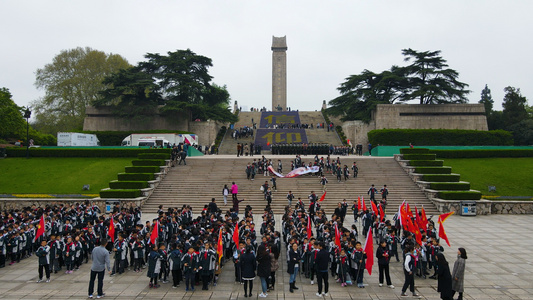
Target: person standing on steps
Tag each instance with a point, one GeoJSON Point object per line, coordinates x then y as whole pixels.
{"type": "Point", "coordinates": [372, 192]}
{"type": "Point", "coordinates": [100, 258]}
{"type": "Point", "coordinates": [225, 193]}
{"type": "Point", "coordinates": [239, 147]}
{"type": "Point", "coordinates": [234, 191]}
{"type": "Point", "coordinates": [355, 170]}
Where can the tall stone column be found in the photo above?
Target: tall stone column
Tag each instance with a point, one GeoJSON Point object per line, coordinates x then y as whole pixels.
{"type": "Point", "coordinates": [279, 73]}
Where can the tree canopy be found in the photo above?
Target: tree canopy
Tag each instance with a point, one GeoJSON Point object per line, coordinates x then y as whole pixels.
{"type": "Point", "coordinates": [11, 114]}
{"type": "Point", "coordinates": [427, 79]}
{"type": "Point", "coordinates": [486, 100]}
{"type": "Point", "coordinates": [179, 81]}
{"type": "Point", "coordinates": [72, 81]}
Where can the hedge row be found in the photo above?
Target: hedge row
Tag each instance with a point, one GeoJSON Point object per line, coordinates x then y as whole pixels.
{"type": "Point", "coordinates": [120, 193]}
{"type": "Point", "coordinates": [483, 153]}
{"type": "Point", "coordinates": [441, 177]}
{"type": "Point", "coordinates": [433, 170]}
{"type": "Point", "coordinates": [440, 137]}
{"type": "Point", "coordinates": [128, 184]}
{"type": "Point", "coordinates": [450, 186]}
{"type": "Point", "coordinates": [148, 162]}
{"type": "Point", "coordinates": [165, 155]}
{"type": "Point", "coordinates": [114, 138]}
{"type": "Point", "coordinates": [135, 176]}
{"type": "Point", "coordinates": [143, 169]}
{"type": "Point", "coordinates": [426, 163]}
{"type": "Point", "coordinates": [414, 150]}
{"type": "Point", "coordinates": [89, 152]}
{"type": "Point", "coordinates": [460, 195]}
{"type": "Point", "coordinates": [419, 156]}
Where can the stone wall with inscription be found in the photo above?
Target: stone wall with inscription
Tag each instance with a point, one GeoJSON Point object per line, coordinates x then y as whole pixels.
{"type": "Point", "coordinates": [265, 137]}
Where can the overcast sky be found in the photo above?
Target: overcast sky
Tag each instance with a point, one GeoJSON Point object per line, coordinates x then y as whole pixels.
{"type": "Point", "coordinates": [487, 42]}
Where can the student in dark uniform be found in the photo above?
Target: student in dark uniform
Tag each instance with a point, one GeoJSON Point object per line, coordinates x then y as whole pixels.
{"type": "Point", "coordinates": [189, 262]}
{"type": "Point", "coordinates": [248, 267]}
{"type": "Point", "coordinates": [43, 253]}
{"type": "Point", "coordinates": [154, 267]}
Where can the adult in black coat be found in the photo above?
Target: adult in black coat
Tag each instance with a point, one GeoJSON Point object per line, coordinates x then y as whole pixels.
{"type": "Point", "coordinates": [263, 268]}
{"type": "Point", "coordinates": [445, 278]}
{"type": "Point", "coordinates": [212, 207]}
{"type": "Point", "coordinates": [248, 267]}
{"type": "Point", "coordinates": [322, 262]}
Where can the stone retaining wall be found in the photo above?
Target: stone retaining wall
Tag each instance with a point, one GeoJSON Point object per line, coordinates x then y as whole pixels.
{"type": "Point", "coordinates": [486, 207]}
{"type": "Point", "coordinates": [18, 203]}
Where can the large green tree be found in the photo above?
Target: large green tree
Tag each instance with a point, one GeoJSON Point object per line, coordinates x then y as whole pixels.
{"type": "Point", "coordinates": [430, 80]}
{"type": "Point", "coordinates": [12, 123]}
{"type": "Point", "coordinates": [514, 107]}
{"type": "Point", "coordinates": [486, 100]}
{"type": "Point", "coordinates": [72, 81]}
{"type": "Point", "coordinates": [179, 81]}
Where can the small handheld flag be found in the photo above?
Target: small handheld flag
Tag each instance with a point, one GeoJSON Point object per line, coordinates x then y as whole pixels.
{"type": "Point", "coordinates": [40, 228]}
{"type": "Point", "coordinates": [155, 233]}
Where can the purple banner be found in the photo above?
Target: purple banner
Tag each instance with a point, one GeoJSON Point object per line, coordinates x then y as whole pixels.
{"type": "Point", "coordinates": [279, 117]}
{"type": "Point", "coordinates": [279, 136]}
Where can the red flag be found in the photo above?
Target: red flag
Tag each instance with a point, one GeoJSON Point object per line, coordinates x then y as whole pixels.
{"type": "Point", "coordinates": [442, 233]}
{"type": "Point", "coordinates": [337, 237]}
{"type": "Point", "coordinates": [309, 229]}
{"type": "Point", "coordinates": [40, 228]}
{"type": "Point", "coordinates": [445, 216]}
{"type": "Point", "coordinates": [408, 209]}
{"type": "Point", "coordinates": [220, 248]}
{"type": "Point", "coordinates": [424, 218]}
{"type": "Point", "coordinates": [417, 219]}
{"type": "Point", "coordinates": [236, 235]}
{"type": "Point", "coordinates": [364, 205]}
{"type": "Point", "coordinates": [381, 213]}
{"type": "Point", "coordinates": [111, 230]}
{"type": "Point", "coordinates": [369, 250]}
{"type": "Point", "coordinates": [374, 207]}
{"type": "Point", "coordinates": [155, 233]}
{"type": "Point", "coordinates": [323, 197]}
{"type": "Point", "coordinates": [359, 204]}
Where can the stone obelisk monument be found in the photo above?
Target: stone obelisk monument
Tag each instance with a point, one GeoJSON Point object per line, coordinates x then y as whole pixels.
{"type": "Point", "coordinates": [279, 73]}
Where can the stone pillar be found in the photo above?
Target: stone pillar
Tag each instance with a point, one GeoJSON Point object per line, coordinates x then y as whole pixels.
{"type": "Point", "coordinates": [279, 73]}
{"type": "Point", "coordinates": [324, 105]}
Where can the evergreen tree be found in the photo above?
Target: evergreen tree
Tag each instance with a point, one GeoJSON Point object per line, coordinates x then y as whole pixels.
{"type": "Point", "coordinates": [514, 107]}
{"type": "Point", "coordinates": [486, 99]}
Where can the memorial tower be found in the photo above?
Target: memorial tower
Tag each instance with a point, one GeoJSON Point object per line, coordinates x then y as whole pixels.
{"type": "Point", "coordinates": [279, 73]}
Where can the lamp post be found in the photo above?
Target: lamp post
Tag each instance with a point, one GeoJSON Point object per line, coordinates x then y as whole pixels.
{"type": "Point", "coordinates": [27, 115]}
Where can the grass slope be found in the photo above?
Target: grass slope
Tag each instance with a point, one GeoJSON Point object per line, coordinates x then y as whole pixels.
{"type": "Point", "coordinates": [58, 175]}
{"type": "Point", "coordinates": [511, 176]}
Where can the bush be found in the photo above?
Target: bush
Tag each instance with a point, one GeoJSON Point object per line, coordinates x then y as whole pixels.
{"type": "Point", "coordinates": [114, 138]}
{"type": "Point", "coordinates": [440, 137]}
{"type": "Point", "coordinates": [143, 169]}
{"type": "Point", "coordinates": [452, 186]}
{"type": "Point", "coordinates": [414, 151]}
{"type": "Point", "coordinates": [460, 195]}
{"type": "Point", "coordinates": [163, 156]}
{"type": "Point", "coordinates": [433, 170]}
{"type": "Point", "coordinates": [483, 153]}
{"type": "Point", "coordinates": [426, 163]}
{"type": "Point", "coordinates": [441, 177]}
{"type": "Point", "coordinates": [77, 152]}
{"type": "Point", "coordinates": [120, 193]}
{"type": "Point", "coordinates": [148, 162]}
{"type": "Point", "coordinates": [419, 156]}
{"type": "Point", "coordinates": [220, 136]}
{"type": "Point", "coordinates": [128, 184]}
{"type": "Point", "coordinates": [136, 176]}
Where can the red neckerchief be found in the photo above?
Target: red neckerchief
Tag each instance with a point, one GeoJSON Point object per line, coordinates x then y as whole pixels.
{"type": "Point", "coordinates": [343, 259]}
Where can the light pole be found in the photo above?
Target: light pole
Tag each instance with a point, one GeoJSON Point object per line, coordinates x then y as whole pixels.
{"type": "Point", "coordinates": [27, 115]}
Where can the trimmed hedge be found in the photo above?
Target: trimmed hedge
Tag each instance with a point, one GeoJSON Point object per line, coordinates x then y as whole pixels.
{"type": "Point", "coordinates": [162, 156]}
{"type": "Point", "coordinates": [143, 169]}
{"type": "Point", "coordinates": [148, 162]}
{"type": "Point", "coordinates": [426, 163]}
{"type": "Point", "coordinates": [419, 156]}
{"type": "Point", "coordinates": [441, 177]}
{"type": "Point", "coordinates": [128, 184]}
{"type": "Point", "coordinates": [114, 138]}
{"type": "Point", "coordinates": [77, 152]}
{"type": "Point", "coordinates": [433, 170]}
{"type": "Point", "coordinates": [459, 195]}
{"type": "Point", "coordinates": [136, 176]}
{"type": "Point", "coordinates": [120, 193]}
{"type": "Point", "coordinates": [450, 186]}
{"type": "Point", "coordinates": [440, 137]}
{"type": "Point", "coordinates": [483, 153]}
{"type": "Point", "coordinates": [414, 151]}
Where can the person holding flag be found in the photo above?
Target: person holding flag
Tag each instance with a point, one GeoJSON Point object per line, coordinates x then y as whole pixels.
{"type": "Point", "coordinates": [359, 257]}
{"type": "Point", "coordinates": [409, 268]}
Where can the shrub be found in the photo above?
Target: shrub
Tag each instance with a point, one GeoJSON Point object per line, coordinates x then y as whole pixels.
{"type": "Point", "coordinates": [483, 153]}
{"type": "Point", "coordinates": [120, 193]}
{"type": "Point", "coordinates": [135, 176]}
{"type": "Point", "coordinates": [128, 184]}
{"type": "Point", "coordinates": [143, 169]}
{"type": "Point", "coordinates": [426, 163]}
{"type": "Point", "coordinates": [77, 152]}
{"type": "Point", "coordinates": [419, 156]}
{"type": "Point", "coordinates": [148, 162]}
{"type": "Point", "coordinates": [441, 177]}
{"type": "Point", "coordinates": [452, 186]}
{"type": "Point", "coordinates": [460, 195]}
{"type": "Point", "coordinates": [414, 151]}
{"type": "Point", "coordinates": [163, 156]}
{"type": "Point", "coordinates": [433, 170]}
{"type": "Point", "coordinates": [440, 137]}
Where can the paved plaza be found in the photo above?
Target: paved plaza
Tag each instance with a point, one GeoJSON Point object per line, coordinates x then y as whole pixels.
{"type": "Point", "coordinates": [499, 266]}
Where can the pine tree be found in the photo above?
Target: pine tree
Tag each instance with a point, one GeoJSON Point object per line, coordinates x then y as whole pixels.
{"type": "Point", "coordinates": [486, 99]}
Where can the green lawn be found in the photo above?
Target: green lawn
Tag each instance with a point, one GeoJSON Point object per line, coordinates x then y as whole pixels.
{"type": "Point", "coordinates": [511, 176]}
{"type": "Point", "coordinates": [58, 175]}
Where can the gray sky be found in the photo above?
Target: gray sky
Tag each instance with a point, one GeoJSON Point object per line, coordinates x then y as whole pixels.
{"type": "Point", "coordinates": [487, 42]}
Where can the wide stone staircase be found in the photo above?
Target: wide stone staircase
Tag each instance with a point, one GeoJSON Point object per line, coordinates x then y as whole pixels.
{"type": "Point", "coordinates": [319, 136]}
{"type": "Point", "coordinates": [229, 144]}
{"type": "Point", "coordinates": [204, 177]}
